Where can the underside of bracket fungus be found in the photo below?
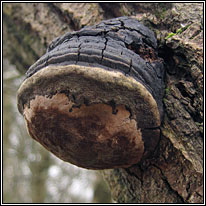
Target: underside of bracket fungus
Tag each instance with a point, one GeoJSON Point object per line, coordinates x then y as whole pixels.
{"type": "Point", "coordinates": [95, 98]}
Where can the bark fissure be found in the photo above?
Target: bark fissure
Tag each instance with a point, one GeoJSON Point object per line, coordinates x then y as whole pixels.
{"type": "Point", "coordinates": [133, 174]}
{"type": "Point", "coordinates": [167, 183]}
{"type": "Point", "coordinates": [63, 16]}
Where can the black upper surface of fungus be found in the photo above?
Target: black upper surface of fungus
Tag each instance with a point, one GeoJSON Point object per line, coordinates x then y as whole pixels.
{"type": "Point", "coordinates": [128, 51]}
{"type": "Point", "coordinates": [121, 44]}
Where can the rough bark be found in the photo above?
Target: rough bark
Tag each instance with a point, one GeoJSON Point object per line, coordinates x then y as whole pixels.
{"type": "Point", "coordinates": [174, 174]}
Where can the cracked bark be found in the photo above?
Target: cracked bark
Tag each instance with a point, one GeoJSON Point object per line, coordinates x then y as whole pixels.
{"type": "Point", "coordinates": [174, 174]}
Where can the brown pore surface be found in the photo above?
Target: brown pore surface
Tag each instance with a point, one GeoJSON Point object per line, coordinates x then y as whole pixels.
{"type": "Point", "coordinates": [93, 137]}
{"type": "Point", "coordinates": [90, 117]}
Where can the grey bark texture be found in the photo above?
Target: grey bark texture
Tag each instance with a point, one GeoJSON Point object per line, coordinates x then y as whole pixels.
{"type": "Point", "coordinates": [174, 174]}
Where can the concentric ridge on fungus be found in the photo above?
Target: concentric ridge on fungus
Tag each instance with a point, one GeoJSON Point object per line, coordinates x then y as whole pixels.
{"type": "Point", "coordinates": [95, 98]}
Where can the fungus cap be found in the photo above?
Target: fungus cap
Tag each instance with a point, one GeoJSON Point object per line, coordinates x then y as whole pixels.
{"type": "Point", "coordinates": [100, 111]}
{"type": "Point", "coordinates": [67, 117]}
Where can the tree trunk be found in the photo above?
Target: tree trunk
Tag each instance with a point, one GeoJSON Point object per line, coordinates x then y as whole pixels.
{"type": "Point", "coordinates": [174, 174]}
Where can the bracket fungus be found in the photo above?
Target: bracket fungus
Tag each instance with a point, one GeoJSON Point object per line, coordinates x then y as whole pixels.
{"type": "Point", "coordinates": [95, 98]}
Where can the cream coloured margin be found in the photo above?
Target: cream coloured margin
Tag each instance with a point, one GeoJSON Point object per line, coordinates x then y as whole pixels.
{"type": "Point", "coordinates": [93, 73]}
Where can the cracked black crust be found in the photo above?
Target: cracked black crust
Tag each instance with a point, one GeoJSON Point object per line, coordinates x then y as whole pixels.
{"type": "Point", "coordinates": [114, 45]}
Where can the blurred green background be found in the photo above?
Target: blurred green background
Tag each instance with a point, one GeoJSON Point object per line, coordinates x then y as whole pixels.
{"type": "Point", "coordinates": [30, 173]}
